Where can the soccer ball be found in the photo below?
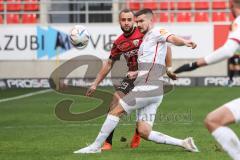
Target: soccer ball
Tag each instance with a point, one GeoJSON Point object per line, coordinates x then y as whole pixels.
{"type": "Point", "coordinates": [79, 36]}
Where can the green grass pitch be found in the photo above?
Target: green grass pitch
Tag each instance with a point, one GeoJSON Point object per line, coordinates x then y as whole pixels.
{"type": "Point", "coordinates": [29, 130]}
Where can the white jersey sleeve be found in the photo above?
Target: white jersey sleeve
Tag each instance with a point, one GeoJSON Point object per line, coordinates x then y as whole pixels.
{"type": "Point", "coordinates": [230, 46]}
{"type": "Point", "coordinates": [161, 34]}
{"type": "Point", "coordinates": [222, 53]}
{"type": "Point", "coordinates": [235, 33]}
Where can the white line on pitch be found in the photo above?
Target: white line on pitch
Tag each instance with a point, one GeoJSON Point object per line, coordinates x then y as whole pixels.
{"type": "Point", "coordinates": [60, 126]}
{"type": "Point", "coordinates": [76, 125]}
{"type": "Point", "coordinates": [25, 95]}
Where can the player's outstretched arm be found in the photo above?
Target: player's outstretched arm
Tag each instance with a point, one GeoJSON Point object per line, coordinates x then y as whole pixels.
{"type": "Point", "coordinates": [101, 75]}
{"type": "Point", "coordinates": [223, 53]}
{"type": "Point", "coordinates": [178, 41]}
{"type": "Point", "coordinates": [186, 67]}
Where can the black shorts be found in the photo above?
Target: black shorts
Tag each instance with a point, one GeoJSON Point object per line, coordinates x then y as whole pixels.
{"type": "Point", "coordinates": [126, 85]}
{"type": "Point", "coordinates": [235, 60]}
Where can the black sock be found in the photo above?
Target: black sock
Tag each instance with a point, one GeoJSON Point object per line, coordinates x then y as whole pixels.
{"type": "Point", "coordinates": [109, 138]}
{"type": "Point", "coordinates": [238, 73]}
{"type": "Point", "coordinates": [231, 74]}
{"type": "Point", "coordinates": [186, 67]}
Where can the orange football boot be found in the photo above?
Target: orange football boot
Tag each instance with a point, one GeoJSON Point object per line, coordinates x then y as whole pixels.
{"type": "Point", "coordinates": [135, 140]}
{"type": "Point", "coordinates": [106, 146]}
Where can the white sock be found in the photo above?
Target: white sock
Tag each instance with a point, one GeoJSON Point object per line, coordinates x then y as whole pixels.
{"type": "Point", "coordinates": [228, 140]}
{"type": "Point", "coordinates": [107, 127]}
{"type": "Point", "coordinates": [158, 137]}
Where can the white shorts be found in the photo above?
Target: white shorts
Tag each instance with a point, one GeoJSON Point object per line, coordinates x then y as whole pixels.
{"type": "Point", "coordinates": [148, 113]}
{"type": "Point", "coordinates": [141, 103]}
{"type": "Point", "coordinates": [145, 99]}
{"type": "Point", "coordinates": [234, 107]}
{"type": "Point", "coordinates": [146, 108]}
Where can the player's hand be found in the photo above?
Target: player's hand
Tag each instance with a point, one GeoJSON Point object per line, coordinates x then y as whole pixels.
{"type": "Point", "coordinates": [132, 74]}
{"type": "Point", "coordinates": [91, 90]}
{"type": "Point", "coordinates": [190, 44]}
{"type": "Point", "coordinates": [171, 75]}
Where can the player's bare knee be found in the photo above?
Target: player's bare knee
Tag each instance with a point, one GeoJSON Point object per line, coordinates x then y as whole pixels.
{"type": "Point", "coordinates": [117, 111]}
{"type": "Point", "coordinates": [144, 130]}
{"type": "Point", "coordinates": [117, 95]}
{"type": "Point", "coordinates": [211, 123]}
{"type": "Point", "coordinates": [113, 104]}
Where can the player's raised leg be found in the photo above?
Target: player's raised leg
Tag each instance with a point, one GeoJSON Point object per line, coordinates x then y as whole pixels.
{"type": "Point", "coordinates": [146, 118]}
{"type": "Point", "coordinates": [147, 133]}
{"type": "Point", "coordinates": [216, 122]}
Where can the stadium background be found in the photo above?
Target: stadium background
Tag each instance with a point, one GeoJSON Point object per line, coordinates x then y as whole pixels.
{"type": "Point", "coordinates": [30, 35]}
{"type": "Point", "coordinates": [33, 42]}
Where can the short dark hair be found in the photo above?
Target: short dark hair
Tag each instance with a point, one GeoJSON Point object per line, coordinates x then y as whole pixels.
{"type": "Point", "coordinates": [126, 10]}
{"type": "Point", "coordinates": [236, 2]}
{"type": "Point", "coordinates": [144, 11]}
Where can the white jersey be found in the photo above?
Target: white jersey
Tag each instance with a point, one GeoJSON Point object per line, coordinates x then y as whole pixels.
{"type": "Point", "coordinates": [152, 51]}
{"type": "Point", "coordinates": [154, 47]}
{"type": "Point", "coordinates": [229, 48]}
{"type": "Point", "coordinates": [235, 33]}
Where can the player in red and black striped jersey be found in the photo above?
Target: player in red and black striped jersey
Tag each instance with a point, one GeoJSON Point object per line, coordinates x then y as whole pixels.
{"type": "Point", "coordinates": [126, 45]}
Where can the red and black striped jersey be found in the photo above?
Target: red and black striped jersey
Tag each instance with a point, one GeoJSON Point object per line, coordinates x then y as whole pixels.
{"type": "Point", "coordinates": [127, 46]}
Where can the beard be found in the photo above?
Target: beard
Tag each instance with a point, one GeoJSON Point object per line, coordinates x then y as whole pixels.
{"type": "Point", "coordinates": [127, 31]}
{"type": "Point", "coordinates": [233, 13]}
{"type": "Point", "coordinates": [232, 10]}
{"type": "Point", "coordinates": [144, 32]}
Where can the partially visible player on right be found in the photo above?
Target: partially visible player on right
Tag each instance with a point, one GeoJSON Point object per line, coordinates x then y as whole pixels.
{"type": "Point", "coordinates": [224, 52]}
{"type": "Point", "coordinates": [216, 121]}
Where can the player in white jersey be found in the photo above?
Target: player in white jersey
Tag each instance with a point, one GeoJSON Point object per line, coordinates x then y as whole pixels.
{"type": "Point", "coordinates": [222, 53]}
{"type": "Point", "coordinates": [148, 91]}
{"type": "Point", "coordinates": [216, 121]}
